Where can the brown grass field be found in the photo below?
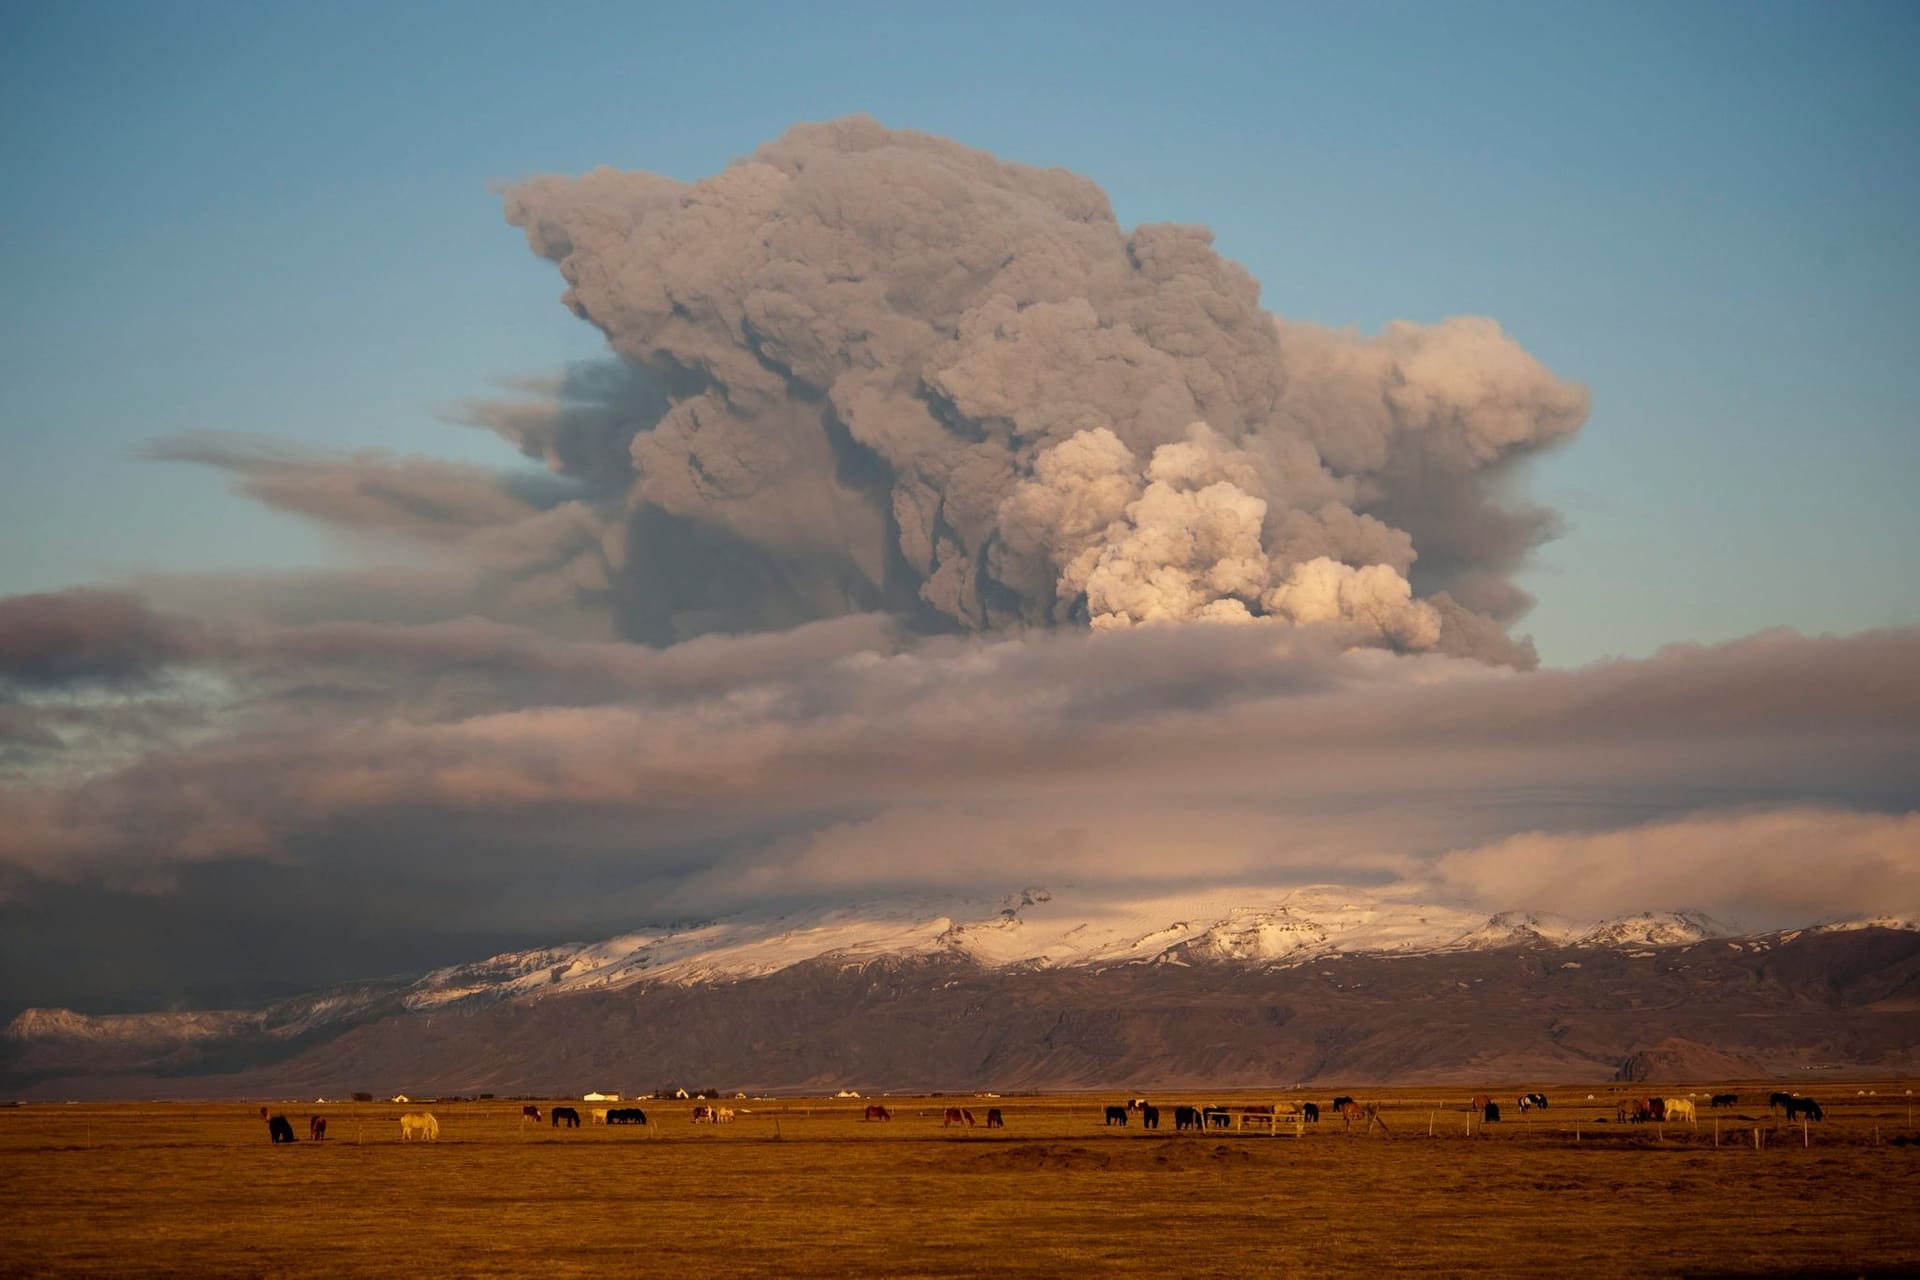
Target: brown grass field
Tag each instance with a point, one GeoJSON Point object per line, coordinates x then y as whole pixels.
{"type": "Point", "coordinates": [799, 1187]}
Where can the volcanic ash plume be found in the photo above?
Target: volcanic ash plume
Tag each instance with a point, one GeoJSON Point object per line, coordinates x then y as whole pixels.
{"type": "Point", "coordinates": [884, 371]}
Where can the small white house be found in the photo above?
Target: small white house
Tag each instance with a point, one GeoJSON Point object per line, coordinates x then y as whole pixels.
{"type": "Point", "coordinates": [847, 1093]}
{"type": "Point", "coordinates": [599, 1097]}
{"type": "Point", "coordinates": [401, 1097]}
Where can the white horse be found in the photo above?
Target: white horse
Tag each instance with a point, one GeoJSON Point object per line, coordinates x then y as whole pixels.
{"type": "Point", "coordinates": [598, 1115]}
{"type": "Point", "coordinates": [1681, 1109]}
{"type": "Point", "coordinates": [723, 1116]}
{"type": "Point", "coordinates": [419, 1124]}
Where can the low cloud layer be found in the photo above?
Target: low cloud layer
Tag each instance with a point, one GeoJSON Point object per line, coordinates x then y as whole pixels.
{"type": "Point", "coordinates": [1771, 779]}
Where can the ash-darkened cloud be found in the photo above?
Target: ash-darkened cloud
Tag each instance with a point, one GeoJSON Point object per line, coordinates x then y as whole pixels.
{"type": "Point", "coordinates": [868, 370]}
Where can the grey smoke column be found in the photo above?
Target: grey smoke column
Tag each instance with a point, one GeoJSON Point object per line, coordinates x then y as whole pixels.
{"type": "Point", "coordinates": [891, 372]}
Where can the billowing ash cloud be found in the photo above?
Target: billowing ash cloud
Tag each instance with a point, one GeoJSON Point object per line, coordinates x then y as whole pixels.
{"type": "Point", "coordinates": [870, 369]}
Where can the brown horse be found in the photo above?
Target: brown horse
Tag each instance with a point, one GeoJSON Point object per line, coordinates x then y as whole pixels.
{"type": "Point", "coordinates": [878, 1113]}
{"type": "Point", "coordinates": [994, 1120]}
{"type": "Point", "coordinates": [530, 1112]}
{"type": "Point", "coordinates": [1370, 1113]}
{"type": "Point", "coordinates": [957, 1115]}
{"type": "Point", "coordinates": [316, 1128]}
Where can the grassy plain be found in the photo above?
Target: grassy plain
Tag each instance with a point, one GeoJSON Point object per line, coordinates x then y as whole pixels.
{"type": "Point", "coordinates": [806, 1187]}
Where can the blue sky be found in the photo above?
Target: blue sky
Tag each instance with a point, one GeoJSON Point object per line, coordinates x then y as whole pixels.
{"type": "Point", "coordinates": [278, 219]}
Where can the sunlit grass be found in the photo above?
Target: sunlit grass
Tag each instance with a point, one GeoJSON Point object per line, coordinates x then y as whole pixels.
{"type": "Point", "coordinates": [809, 1188]}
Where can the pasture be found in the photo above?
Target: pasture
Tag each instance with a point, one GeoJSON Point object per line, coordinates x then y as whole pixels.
{"type": "Point", "coordinates": [796, 1187]}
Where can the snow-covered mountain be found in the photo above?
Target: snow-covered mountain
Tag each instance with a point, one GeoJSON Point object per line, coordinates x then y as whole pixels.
{"type": "Point", "coordinates": [1042, 929]}
{"type": "Point", "coordinates": [1047, 988]}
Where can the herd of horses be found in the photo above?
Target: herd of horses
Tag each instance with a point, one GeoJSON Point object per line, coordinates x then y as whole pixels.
{"type": "Point", "coordinates": [1268, 1116]}
{"type": "Point", "coordinates": [422, 1126]}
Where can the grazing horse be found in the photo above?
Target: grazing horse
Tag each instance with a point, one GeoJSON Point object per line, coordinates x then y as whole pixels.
{"type": "Point", "coordinates": [1634, 1111]}
{"type": "Point", "coordinates": [1656, 1109]}
{"type": "Point", "coordinates": [703, 1114]}
{"type": "Point", "coordinates": [316, 1128]}
{"type": "Point", "coordinates": [1117, 1115]}
{"type": "Point", "coordinates": [1480, 1102]}
{"type": "Point", "coordinates": [565, 1115]}
{"type": "Point", "coordinates": [597, 1115]}
{"type": "Point", "coordinates": [1804, 1107]}
{"type": "Point", "coordinates": [1149, 1117]}
{"type": "Point", "coordinates": [1679, 1109]}
{"type": "Point", "coordinates": [1370, 1113]}
{"type": "Point", "coordinates": [723, 1115]}
{"type": "Point", "coordinates": [1537, 1099]}
{"type": "Point", "coordinates": [1490, 1114]}
{"type": "Point", "coordinates": [1185, 1118]}
{"type": "Point", "coordinates": [957, 1115]}
{"type": "Point", "coordinates": [878, 1113]}
{"type": "Point", "coordinates": [1339, 1102]}
{"type": "Point", "coordinates": [1218, 1117]}
{"type": "Point", "coordinates": [421, 1125]}
{"type": "Point", "coordinates": [994, 1119]}
{"type": "Point", "coordinates": [1779, 1100]}
{"type": "Point", "coordinates": [530, 1113]}
{"type": "Point", "coordinates": [278, 1129]}
{"type": "Point", "coordinates": [1724, 1100]}
{"type": "Point", "coordinates": [626, 1115]}
{"type": "Point", "coordinates": [1310, 1112]}
{"type": "Point", "coordinates": [1136, 1104]}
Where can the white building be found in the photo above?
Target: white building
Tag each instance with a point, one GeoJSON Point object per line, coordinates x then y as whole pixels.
{"type": "Point", "coordinates": [600, 1097]}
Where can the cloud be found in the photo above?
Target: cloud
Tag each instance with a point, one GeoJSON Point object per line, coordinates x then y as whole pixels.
{"type": "Point", "coordinates": [1785, 867]}
{"type": "Point", "coordinates": [854, 355]}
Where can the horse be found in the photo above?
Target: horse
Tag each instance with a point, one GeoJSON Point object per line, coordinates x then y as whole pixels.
{"type": "Point", "coordinates": [530, 1113]}
{"type": "Point", "coordinates": [1218, 1117]}
{"type": "Point", "coordinates": [626, 1115]}
{"type": "Point", "coordinates": [316, 1128]}
{"type": "Point", "coordinates": [1351, 1111]}
{"type": "Point", "coordinates": [1136, 1104]}
{"type": "Point", "coordinates": [1535, 1099]}
{"type": "Point", "coordinates": [1310, 1112]}
{"type": "Point", "coordinates": [878, 1113]}
{"type": "Point", "coordinates": [1117, 1115]}
{"type": "Point", "coordinates": [278, 1129]}
{"type": "Point", "coordinates": [421, 1125]}
{"type": "Point", "coordinates": [1679, 1109]}
{"type": "Point", "coordinates": [1724, 1100]}
{"type": "Point", "coordinates": [1803, 1107]}
{"type": "Point", "coordinates": [1341, 1101]}
{"type": "Point", "coordinates": [565, 1115]}
{"type": "Point", "coordinates": [723, 1115]}
{"type": "Point", "coordinates": [1779, 1100]}
{"type": "Point", "coordinates": [1149, 1117]}
{"type": "Point", "coordinates": [957, 1115]}
{"type": "Point", "coordinates": [1480, 1102]}
{"type": "Point", "coordinates": [1656, 1109]}
{"type": "Point", "coordinates": [1185, 1118]}
{"type": "Point", "coordinates": [1633, 1111]}
{"type": "Point", "coordinates": [994, 1119]}
{"type": "Point", "coordinates": [1490, 1114]}
{"type": "Point", "coordinates": [597, 1115]}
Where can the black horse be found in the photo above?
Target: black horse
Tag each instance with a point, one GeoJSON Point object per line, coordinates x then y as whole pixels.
{"type": "Point", "coordinates": [1149, 1117]}
{"type": "Point", "coordinates": [1803, 1107]}
{"type": "Point", "coordinates": [1310, 1110]}
{"type": "Point", "coordinates": [280, 1130]}
{"type": "Point", "coordinates": [1490, 1114]}
{"type": "Point", "coordinates": [1779, 1100]}
{"type": "Point", "coordinates": [1117, 1115]}
{"type": "Point", "coordinates": [567, 1115]}
{"type": "Point", "coordinates": [1341, 1101]}
{"type": "Point", "coordinates": [1724, 1100]}
{"type": "Point", "coordinates": [994, 1119]}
